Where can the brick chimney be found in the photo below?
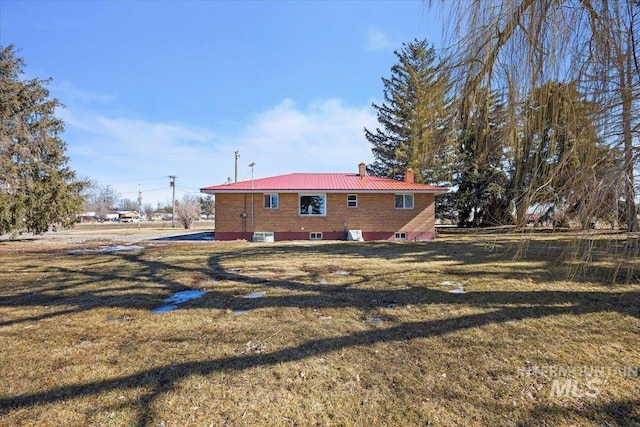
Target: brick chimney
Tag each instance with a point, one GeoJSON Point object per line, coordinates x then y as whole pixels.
{"type": "Point", "coordinates": [408, 175]}
{"type": "Point", "coordinates": [362, 170]}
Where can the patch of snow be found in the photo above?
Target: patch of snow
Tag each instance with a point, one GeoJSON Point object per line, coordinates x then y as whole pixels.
{"type": "Point", "coordinates": [107, 250]}
{"type": "Point", "coordinates": [239, 311]}
{"type": "Point", "coordinates": [340, 273]}
{"type": "Point", "coordinates": [178, 298]}
{"type": "Point", "coordinates": [164, 308]}
{"type": "Point", "coordinates": [375, 320]}
{"type": "Point", "coordinates": [257, 294]}
{"type": "Point", "coordinates": [448, 283]}
{"type": "Point", "coordinates": [459, 286]}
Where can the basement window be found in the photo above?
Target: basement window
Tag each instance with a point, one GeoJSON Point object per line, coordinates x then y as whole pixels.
{"type": "Point", "coordinates": [404, 201]}
{"type": "Point", "coordinates": [315, 236]}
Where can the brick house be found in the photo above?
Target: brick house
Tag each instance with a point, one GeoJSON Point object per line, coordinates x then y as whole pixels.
{"type": "Point", "coordinates": [330, 206]}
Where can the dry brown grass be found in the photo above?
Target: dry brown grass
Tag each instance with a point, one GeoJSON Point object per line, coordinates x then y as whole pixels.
{"type": "Point", "coordinates": [385, 344]}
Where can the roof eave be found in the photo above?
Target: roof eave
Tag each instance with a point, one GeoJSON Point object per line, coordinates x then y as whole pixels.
{"type": "Point", "coordinates": [322, 190]}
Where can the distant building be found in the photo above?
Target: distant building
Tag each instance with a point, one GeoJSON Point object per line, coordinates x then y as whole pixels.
{"type": "Point", "coordinates": [128, 216]}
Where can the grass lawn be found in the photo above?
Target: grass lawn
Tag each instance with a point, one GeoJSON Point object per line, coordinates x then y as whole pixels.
{"type": "Point", "coordinates": [466, 330]}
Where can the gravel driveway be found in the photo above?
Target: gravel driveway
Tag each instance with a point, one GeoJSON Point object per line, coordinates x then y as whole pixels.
{"type": "Point", "coordinates": [112, 234]}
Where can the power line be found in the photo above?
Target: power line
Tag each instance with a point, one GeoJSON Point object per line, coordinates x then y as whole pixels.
{"type": "Point", "coordinates": [146, 191]}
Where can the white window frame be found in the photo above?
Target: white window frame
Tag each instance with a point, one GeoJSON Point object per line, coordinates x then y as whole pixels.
{"type": "Point", "coordinates": [315, 235]}
{"type": "Point", "coordinates": [324, 204]}
{"type": "Point", "coordinates": [405, 197]}
{"type": "Point", "coordinates": [353, 202]}
{"type": "Point", "coordinates": [271, 198]}
{"type": "Point", "coordinates": [401, 235]}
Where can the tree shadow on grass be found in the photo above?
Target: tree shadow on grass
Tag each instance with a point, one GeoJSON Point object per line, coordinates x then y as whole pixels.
{"type": "Point", "coordinates": [162, 378]}
{"type": "Point", "coordinates": [500, 306]}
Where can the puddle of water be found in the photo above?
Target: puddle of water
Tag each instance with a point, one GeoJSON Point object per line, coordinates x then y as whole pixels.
{"type": "Point", "coordinates": [375, 320]}
{"type": "Point", "coordinates": [239, 311]}
{"type": "Point", "coordinates": [258, 294]}
{"type": "Point", "coordinates": [108, 250]}
{"type": "Point", "coordinates": [172, 302]}
{"type": "Point", "coordinates": [457, 291]}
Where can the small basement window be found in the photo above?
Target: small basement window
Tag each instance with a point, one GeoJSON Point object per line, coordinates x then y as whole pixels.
{"type": "Point", "coordinates": [401, 235]}
{"type": "Point", "coordinates": [315, 236]}
{"type": "Point", "coordinates": [271, 201]}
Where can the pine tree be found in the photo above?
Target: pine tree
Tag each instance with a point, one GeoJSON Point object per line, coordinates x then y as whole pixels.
{"type": "Point", "coordinates": [37, 188]}
{"type": "Point", "coordinates": [482, 183]}
{"type": "Point", "coordinates": [412, 118]}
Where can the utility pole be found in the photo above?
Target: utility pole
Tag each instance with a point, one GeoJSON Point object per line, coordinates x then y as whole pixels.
{"type": "Point", "coordinates": [237, 156]}
{"type": "Point", "coordinates": [139, 206]}
{"type": "Point", "coordinates": [252, 215]}
{"type": "Point", "coordinates": [173, 203]}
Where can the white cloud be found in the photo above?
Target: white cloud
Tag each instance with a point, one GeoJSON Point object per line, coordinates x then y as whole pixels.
{"type": "Point", "coordinates": [326, 136]}
{"type": "Point", "coordinates": [67, 91]}
{"type": "Point", "coordinates": [377, 40]}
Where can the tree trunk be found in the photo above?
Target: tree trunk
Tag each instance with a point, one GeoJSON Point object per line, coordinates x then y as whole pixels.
{"type": "Point", "coordinates": [627, 136]}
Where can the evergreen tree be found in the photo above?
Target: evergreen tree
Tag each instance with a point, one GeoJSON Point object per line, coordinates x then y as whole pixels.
{"type": "Point", "coordinates": [208, 205]}
{"type": "Point", "coordinates": [482, 196]}
{"type": "Point", "coordinates": [37, 188]}
{"type": "Point", "coordinates": [412, 118]}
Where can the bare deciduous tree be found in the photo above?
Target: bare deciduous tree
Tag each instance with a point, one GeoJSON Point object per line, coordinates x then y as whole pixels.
{"type": "Point", "coordinates": [188, 210]}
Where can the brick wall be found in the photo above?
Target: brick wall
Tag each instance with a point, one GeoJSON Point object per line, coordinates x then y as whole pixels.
{"type": "Point", "coordinates": [376, 213]}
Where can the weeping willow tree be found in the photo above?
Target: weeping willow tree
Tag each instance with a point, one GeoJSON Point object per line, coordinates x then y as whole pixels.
{"type": "Point", "coordinates": [569, 74]}
{"type": "Point", "coordinates": [559, 159]}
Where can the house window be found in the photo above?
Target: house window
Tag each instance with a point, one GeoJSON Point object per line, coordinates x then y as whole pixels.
{"type": "Point", "coordinates": [312, 204]}
{"type": "Point", "coordinates": [404, 201]}
{"type": "Point", "coordinates": [271, 201]}
{"type": "Point", "coordinates": [352, 200]}
{"type": "Point", "coordinates": [315, 236]}
{"type": "Point", "coordinates": [401, 235]}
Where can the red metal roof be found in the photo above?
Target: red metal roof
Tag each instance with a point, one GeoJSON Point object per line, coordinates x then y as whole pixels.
{"type": "Point", "coordinates": [328, 182]}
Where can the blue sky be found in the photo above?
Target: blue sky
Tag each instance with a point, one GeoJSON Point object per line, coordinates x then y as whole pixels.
{"type": "Point", "coordinates": [153, 89]}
